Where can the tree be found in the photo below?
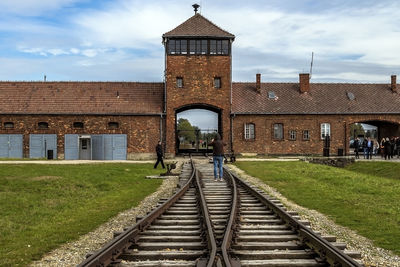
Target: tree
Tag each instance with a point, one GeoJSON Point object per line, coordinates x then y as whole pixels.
{"type": "Point", "coordinates": [356, 129]}
{"type": "Point", "coordinates": [186, 130]}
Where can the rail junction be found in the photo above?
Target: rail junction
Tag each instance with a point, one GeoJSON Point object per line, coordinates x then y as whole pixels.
{"type": "Point", "coordinates": [220, 223]}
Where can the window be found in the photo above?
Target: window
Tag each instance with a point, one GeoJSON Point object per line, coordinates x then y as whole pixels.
{"type": "Point", "coordinates": [204, 47]}
{"type": "Point", "coordinates": [217, 82]}
{"type": "Point", "coordinates": [306, 135]}
{"type": "Point", "coordinates": [177, 47]}
{"type": "Point", "coordinates": [78, 125]}
{"type": "Point", "coordinates": [278, 131]}
{"type": "Point", "coordinates": [9, 125]}
{"type": "Point", "coordinates": [219, 47]}
{"type": "Point", "coordinates": [292, 135]}
{"type": "Point", "coordinates": [43, 125]}
{"type": "Point", "coordinates": [113, 125]}
{"type": "Point", "coordinates": [179, 82]}
{"type": "Point", "coordinates": [325, 130]}
{"type": "Point", "coordinates": [271, 95]}
{"type": "Point", "coordinates": [249, 131]}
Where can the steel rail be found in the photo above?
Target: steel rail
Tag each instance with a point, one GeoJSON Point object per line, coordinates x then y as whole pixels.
{"type": "Point", "coordinates": [109, 253]}
{"type": "Point", "coordinates": [212, 245]}
{"type": "Point", "coordinates": [323, 248]}
{"type": "Point", "coordinates": [228, 236]}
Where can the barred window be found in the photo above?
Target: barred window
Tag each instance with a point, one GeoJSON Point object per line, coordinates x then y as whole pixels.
{"type": "Point", "coordinates": [78, 125]}
{"type": "Point", "coordinates": [8, 125]}
{"type": "Point", "coordinates": [325, 130]}
{"type": "Point", "coordinates": [179, 82]}
{"type": "Point", "coordinates": [292, 135]}
{"type": "Point", "coordinates": [306, 135]}
{"type": "Point", "coordinates": [249, 131]}
{"type": "Point", "coordinates": [113, 125]}
{"type": "Point", "coordinates": [43, 125]}
{"type": "Point", "coordinates": [217, 82]}
{"type": "Point", "coordinates": [278, 131]}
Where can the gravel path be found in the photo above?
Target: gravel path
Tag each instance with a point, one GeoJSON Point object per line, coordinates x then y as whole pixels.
{"type": "Point", "coordinates": [74, 253]}
{"type": "Point", "coordinates": [371, 256]}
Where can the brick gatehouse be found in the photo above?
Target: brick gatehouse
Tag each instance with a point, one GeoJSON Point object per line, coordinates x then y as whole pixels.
{"type": "Point", "coordinates": [124, 120]}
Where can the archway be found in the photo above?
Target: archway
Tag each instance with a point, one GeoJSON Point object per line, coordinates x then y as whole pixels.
{"type": "Point", "coordinates": [196, 126]}
{"type": "Point", "coordinates": [374, 129]}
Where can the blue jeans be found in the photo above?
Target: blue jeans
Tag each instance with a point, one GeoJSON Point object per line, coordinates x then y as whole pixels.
{"type": "Point", "coordinates": [218, 161]}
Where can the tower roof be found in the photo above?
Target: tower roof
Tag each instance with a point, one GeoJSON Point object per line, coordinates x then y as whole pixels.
{"type": "Point", "coordinates": [198, 26]}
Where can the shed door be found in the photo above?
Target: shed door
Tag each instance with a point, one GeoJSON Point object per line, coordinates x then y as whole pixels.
{"type": "Point", "coordinates": [71, 147]}
{"type": "Point", "coordinates": [15, 148]}
{"type": "Point", "coordinates": [10, 145]}
{"type": "Point", "coordinates": [4, 145]}
{"type": "Point", "coordinates": [119, 147]}
{"type": "Point", "coordinates": [97, 147]}
{"type": "Point", "coordinates": [40, 144]}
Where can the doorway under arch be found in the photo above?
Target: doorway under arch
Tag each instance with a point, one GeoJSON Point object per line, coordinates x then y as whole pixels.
{"type": "Point", "coordinates": [196, 126]}
{"type": "Point", "coordinates": [375, 129]}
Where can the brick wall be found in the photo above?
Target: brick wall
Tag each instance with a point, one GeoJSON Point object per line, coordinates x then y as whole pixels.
{"type": "Point", "coordinates": [264, 143]}
{"type": "Point", "coordinates": [198, 74]}
{"type": "Point", "coordinates": [143, 132]}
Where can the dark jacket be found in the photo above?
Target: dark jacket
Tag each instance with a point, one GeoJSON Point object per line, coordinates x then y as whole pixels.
{"type": "Point", "coordinates": [159, 151]}
{"type": "Point", "coordinates": [218, 146]}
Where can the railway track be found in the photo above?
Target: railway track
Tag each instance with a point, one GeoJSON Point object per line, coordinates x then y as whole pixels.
{"type": "Point", "coordinates": [220, 223]}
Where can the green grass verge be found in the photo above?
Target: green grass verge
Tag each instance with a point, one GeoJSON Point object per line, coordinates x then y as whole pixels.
{"type": "Point", "coordinates": [364, 196]}
{"type": "Point", "coordinates": [43, 206]}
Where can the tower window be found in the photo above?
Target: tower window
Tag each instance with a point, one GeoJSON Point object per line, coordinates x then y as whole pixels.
{"type": "Point", "coordinates": [177, 46]}
{"type": "Point", "coordinates": [219, 47]}
{"type": "Point", "coordinates": [179, 82]}
{"type": "Point", "coordinates": [217, 82]}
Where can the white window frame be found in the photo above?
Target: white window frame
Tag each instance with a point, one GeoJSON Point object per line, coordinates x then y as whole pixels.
{"type": "Point", "coordinates": [249, 131]}
{"type": "Point", "coordinates": [325, 130]}
{"type": "Point", "coordinates": [306, 136]}
{"type": "Point", "coordinates": [281, 131]}
{"type": "Point", "coordinates": [292, 135]}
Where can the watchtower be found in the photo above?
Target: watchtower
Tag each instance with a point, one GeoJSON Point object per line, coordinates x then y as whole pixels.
{"type": "Point", "coordinates": [198, 65]}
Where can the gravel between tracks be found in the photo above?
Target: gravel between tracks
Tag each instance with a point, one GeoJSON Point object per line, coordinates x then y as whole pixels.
{"type": "Point", "coordinates": [371, 256]}
{"type": "Point", "coordinates": [74, 253]}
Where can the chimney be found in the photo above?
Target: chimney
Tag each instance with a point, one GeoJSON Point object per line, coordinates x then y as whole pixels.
{"type": "Point", "coordinates": [258, 82]}
{"type": "Point", "coordinates": [393, 85]}
{"type": "Point", "coordinates": [304, 80]}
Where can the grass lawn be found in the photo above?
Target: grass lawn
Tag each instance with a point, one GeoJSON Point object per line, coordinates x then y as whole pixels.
{"type": "Point", "coordinates": [364, 196]}
{"type": "Point", "coordinates": [43, 206]}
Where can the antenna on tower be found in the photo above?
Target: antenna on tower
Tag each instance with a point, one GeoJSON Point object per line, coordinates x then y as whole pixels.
{"type": "Point", "coordinates": [312, 61]}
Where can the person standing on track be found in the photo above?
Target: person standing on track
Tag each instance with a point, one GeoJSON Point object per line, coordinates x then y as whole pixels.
{"type": "Point", "coordinates": [160, 155]}
{"type": "Point", "coordinates": [218, 156]}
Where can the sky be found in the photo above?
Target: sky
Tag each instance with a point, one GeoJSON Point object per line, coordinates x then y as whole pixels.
{"type": "Point", "coordinates": [120, 40]}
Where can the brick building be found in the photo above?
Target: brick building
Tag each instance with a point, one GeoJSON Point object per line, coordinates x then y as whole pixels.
{"type": "Point", "coordinates": [124, 120]}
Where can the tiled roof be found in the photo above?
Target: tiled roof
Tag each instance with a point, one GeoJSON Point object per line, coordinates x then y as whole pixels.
{"type": "Point", "coordinates": [329, 98]}
{"type": "Point", "coordinates": [81, 97]}
{"type": "Point", "coordinates": [198, 26]}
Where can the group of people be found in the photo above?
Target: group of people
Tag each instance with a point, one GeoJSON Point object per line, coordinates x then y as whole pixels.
{"type": "Point", "coordinates": [387, 148]}
{"type": "Point", "coordinates": [218, 156]}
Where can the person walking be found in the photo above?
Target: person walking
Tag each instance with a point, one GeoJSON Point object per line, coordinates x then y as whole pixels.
{"type": "Point", "coordinates": [160, 153]}
{"type": "Point", "coordinates": [370, 147]}
{"type": "Point", "coordinates": [387, 148]}
{"type": "Point", "coordinates": [218, 156]}
{"type": "Point", "coordinates": [365, 148]}
{"type": "Point", "coordinates": [357, 147]}
{"type": "Point", "coordinates": [398, 146]}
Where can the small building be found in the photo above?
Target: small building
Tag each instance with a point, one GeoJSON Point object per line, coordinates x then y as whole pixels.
{"type": "Point", "coordinates": [125, 120]}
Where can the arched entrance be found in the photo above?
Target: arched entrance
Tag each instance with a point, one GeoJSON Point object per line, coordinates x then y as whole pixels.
{"type": "Point", "coordinates": [374, 129]}
{"type": "Point", "coordinates": [196, 125]}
